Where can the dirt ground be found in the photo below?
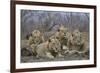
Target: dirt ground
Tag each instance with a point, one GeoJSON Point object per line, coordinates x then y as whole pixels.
{"type": "Point", "coordinates": [67, 57]}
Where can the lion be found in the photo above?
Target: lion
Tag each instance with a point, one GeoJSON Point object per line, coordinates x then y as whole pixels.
{"type": "Point", "coordinates": [48, 49]}
{"type": "Point", "coordinates": [76, 37]}
{"type": "Point", "coordinates": [35, 39]}
{"type": "Point", "coordinates": [66, 42]}
{"type": "Point", "coordinates": [77, 43]}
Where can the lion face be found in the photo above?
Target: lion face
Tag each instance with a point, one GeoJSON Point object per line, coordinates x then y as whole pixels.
{"type": "Point", "coordinates": [36, 37]}
{"type": "Point", "coordinates": [54, 45]}
{"type": "Point", "coordinates": [62, 31]}
{"type": "Point", "coordinates": [76, 37]}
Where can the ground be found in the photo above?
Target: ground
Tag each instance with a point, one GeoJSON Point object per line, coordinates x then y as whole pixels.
{"type": "Point", "coordinates": [67, 57]}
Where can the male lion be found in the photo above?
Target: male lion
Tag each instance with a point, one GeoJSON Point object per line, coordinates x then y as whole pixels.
{"type": "Point", "coordinates": [35, 39]}
{"type": "Point", "coordinates": [77, 43]}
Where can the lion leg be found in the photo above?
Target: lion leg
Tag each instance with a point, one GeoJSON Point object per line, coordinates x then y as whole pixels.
{"type": "Point", "coordinates": [49, 55]}
{"type": "Point", "coordinates": [60, 55]}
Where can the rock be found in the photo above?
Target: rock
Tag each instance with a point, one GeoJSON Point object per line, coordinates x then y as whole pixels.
{"type": "Point", "coordinates": [26, 52]}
